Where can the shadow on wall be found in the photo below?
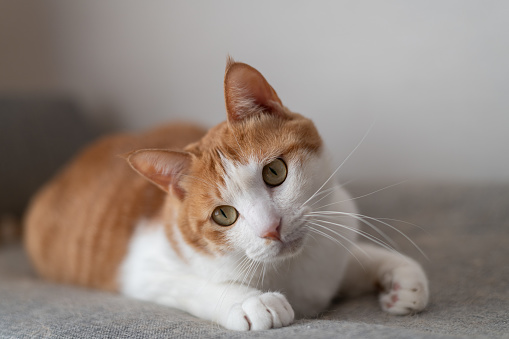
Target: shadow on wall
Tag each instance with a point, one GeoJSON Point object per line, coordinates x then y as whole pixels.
{"type": "Point", "coordinates": [37, 136]}
{"type": "Point", "coordinates": [40, 128]}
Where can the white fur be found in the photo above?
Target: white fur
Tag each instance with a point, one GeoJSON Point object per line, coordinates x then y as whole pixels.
{"type": "Point", "coordinates": [261, 283]}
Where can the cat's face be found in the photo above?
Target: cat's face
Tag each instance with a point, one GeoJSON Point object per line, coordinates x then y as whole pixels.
{"type": "Point", "coordinates": [242, 188]}
{"type": "Point", "coordinates": [255, 177]}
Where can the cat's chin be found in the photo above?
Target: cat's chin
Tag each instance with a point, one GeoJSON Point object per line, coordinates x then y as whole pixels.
{"type": "Point", "coordinates": [291, 248]}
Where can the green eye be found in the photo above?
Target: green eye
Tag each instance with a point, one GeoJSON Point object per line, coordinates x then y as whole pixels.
{"type": "Point", "coordinates": [275, 173]}
{"type": "Point", "coordinates": [225, 215]}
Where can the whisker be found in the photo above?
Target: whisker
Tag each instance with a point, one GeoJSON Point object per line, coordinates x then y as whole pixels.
{"type": "Point", "coordinates": [329, 191]}
{"type": "Point", "coordinates": [405, 222]}
{"type": "Point", "coordinates": [261, 276]}
{"type": "Point", "coordinates": [356, 215]}
{"type": "Point", "coordinates": [363, 234]}
{"type": "Point", "coordinates": [365, 195]}
{"type": "Point", "coordinates": [330, 237]}
{"type": "Point", "coordinates": [344, 161]}
{"type": "Point", "coordinates": [251, 264]}
{"type": "Point", "coordinates": [242, 268]}
{"type": "Point", "coordinates": [274, 267]}
{"type": "Point", "coordinates": [217, 271]}
{"type": "Point", "coordinates": [254, 273]}
{"type": "Point", "coordinates": [377, 219]}
{"type": "Point", "coordinates": [340, 235]}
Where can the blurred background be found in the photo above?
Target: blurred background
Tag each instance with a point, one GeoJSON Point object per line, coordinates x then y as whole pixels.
{"type": "Point", "coordinates": [433, 76]}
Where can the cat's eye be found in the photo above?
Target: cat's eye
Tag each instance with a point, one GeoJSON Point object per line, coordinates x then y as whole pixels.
{"type": "Point", "coordinates": [225, 215]}
{"type": "Point", "coordinates": [275, 172]}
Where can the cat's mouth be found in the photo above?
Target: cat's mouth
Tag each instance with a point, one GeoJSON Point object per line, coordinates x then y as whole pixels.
{"type": "Point", "coordinates": [289, 246]}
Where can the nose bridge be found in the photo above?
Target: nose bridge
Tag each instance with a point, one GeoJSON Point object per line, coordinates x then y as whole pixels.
{"type": "Point", "coordinates": [264, 218]}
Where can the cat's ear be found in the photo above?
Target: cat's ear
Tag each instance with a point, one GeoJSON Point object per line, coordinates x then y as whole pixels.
{"type": "Point", "coordinates": [162, 167]}
{"type": "Point", "coordinates": [247, 93]}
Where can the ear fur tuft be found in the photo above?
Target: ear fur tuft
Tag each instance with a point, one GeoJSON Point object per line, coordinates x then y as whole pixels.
{"type": "Point", "coordinates": [229, 62]}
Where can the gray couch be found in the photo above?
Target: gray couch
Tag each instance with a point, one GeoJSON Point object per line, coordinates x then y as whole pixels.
{"type": "Point", "coordinates": [465, 234]}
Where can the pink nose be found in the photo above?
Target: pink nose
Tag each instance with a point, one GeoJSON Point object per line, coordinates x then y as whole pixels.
{"type": "Point", "coordinates": [273, 232]}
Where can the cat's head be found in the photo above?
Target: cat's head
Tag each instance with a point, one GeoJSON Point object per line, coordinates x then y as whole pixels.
{"type": "Point", "coordinates": [242, 187]}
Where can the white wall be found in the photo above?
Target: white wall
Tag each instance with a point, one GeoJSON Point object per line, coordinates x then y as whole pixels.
{"type": "Point", "coordinates": [433, 74]}
{"type": "Point", "coordinates": [27, 53]}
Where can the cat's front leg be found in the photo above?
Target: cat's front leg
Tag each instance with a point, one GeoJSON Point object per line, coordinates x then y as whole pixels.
{"type": "Point", "coordinates": [402, 280]}
{"type": "Point", "coordinates": [238, 307]}
{"type": "Point", "coordinates": [234, 306]}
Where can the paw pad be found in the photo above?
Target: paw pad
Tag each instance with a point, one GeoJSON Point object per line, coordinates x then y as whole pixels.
{"type": "Point", "coordinates": [406, 293]}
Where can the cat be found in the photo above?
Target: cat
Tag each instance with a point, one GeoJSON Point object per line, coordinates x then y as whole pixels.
{"type": "Point", "coordinates": [224, 224]}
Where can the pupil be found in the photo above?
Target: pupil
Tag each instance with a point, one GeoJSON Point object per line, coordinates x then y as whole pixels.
{"type": "Point", "coordinates": [273, 171]}
{"type": "Point", "coordinates": [224, 215]}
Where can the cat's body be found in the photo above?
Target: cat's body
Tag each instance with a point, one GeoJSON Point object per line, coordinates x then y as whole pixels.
{"type": "Point", "coordinates": [233, 233]}
{"type": "Point", "coordinates": [80, 224]}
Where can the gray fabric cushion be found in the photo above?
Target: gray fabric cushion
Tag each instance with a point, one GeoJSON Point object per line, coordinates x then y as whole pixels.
{"type": "Point", "coordinates": [465, 236]}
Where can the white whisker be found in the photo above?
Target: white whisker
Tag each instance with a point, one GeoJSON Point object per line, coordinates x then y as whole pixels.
{"type": "Point", "coordinates": [339, 234]}
{"type": "Point", "coordinates": [344, 161]}
{"type": "Point", "coordinates": [255, 270]}
{"type": "Point", "coordinates": [363, 234]}
{"type": "Point", "coordinates": [356, 215]}
{"type": "Point", "coordinates": [329, 191]}
{"type": "Point", "coordinates": [242, 268]}
{"type": "Point", "coordinates": [251, 265]}
{"type": "Point", "coordinates": [405, 222]}
{"type": "Point", "coordinates": [330, 237]}
{"type": "Point", "coordinates": [365, 195]}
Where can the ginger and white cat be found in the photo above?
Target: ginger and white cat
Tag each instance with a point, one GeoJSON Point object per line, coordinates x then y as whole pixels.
{"type": "Point", "coordinates": [224, 224]}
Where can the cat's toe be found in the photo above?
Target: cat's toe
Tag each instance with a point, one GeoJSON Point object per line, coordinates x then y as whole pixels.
{"type": "Point", "coordinates": [237, 319]}
{"type": "Point", "coordinates": [262, 312]}
{"type": "Point", "coordinates": [406, 293]}
{"type": "Point", "coordinates": [279, 308]}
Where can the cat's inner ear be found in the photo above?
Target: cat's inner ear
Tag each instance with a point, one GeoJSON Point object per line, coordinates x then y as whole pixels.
{"type": "Point", "coordinates": [162, 167]}
{"type": "Point", "coordinates": [247, 93]}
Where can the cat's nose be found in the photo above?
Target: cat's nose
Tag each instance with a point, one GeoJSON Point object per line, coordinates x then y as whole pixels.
{"type": "Point", "coordinates": [273, 232]}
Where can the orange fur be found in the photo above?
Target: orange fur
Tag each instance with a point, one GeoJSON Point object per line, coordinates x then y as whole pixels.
{"type": "Point", "coordinates": [79, 225]}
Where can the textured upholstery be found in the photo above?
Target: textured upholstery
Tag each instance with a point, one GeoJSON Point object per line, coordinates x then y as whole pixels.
{"type": "Point", "coordinates": [465, 234]}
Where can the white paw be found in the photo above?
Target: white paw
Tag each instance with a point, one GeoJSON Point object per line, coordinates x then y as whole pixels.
{"type": "Point", "coordinates": [405, 291]}
{"type": "Point", "coordinates": [262, 312]}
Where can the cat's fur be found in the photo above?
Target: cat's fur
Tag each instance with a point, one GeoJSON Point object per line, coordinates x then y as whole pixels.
{"type": "Point", "coordinates": [101, 223]}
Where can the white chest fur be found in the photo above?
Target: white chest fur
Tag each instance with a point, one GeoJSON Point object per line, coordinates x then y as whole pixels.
{"type": "Point", "coordinates": [153, 271]}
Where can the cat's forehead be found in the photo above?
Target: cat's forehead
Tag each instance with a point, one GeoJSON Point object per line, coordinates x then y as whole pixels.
{"type": "Point", "coordinates": [262, 138]}
{"type": "Point", "coordinates": [230, 155]}
{"type": "Point", "coordinates": [239, 176]}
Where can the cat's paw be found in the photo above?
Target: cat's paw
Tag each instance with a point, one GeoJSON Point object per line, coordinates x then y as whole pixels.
{"type": "Point", "coordinates": [405, 291]}
{"type": "Point", "coordinates": [261, 312]}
